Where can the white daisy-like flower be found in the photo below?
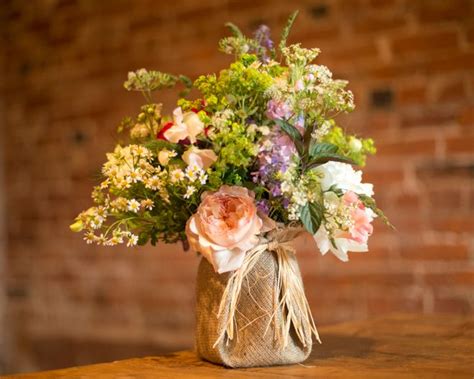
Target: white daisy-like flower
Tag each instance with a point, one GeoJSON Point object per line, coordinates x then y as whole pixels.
{"type": "Point", "coordinates": [153, 183]}
{"type": "Point", "coordinates": [189, 192]}
{"type": "Point", "coordinates": [203, 178]}
{"type": "Point", "coordinates": [105, 184]}
{"type": "Point", "coordinates": [147, 204]}
{"type": "Point", "coordinates": [177, 175]}
{"type": "Point", "coordinates": [89, 238]}
{"type": "Point", "coordinates": [132, 240]}
{"type": "Point", "coordinates": [134, 176]}
{"type": "Point", "coordinates": [192, 172]}
{"type": "Point", "coordinates": [133, 206]}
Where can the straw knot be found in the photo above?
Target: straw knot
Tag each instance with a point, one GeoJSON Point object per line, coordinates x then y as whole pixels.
{"type": "Point", "coordinates": [273, 245]}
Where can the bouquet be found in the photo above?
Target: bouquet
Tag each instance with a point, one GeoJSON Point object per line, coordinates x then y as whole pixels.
{"type": "Point", "coordinates": [236, 174]}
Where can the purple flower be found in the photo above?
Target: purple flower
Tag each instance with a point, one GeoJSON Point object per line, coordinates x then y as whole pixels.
{"type": "Point", "coordinates": [262, 36]}
{"type": "Point", "coordinates": [276, 190]}
{"type": "Point", "coordinates": [278, 110]}
{"type": "Point", "coordinates": [299, 124]}
{"type": "Point", "coordinates": [275, 156]}
{"type": "Point", "coordinates": [262, 206]}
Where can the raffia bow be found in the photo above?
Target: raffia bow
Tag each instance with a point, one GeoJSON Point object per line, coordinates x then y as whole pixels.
{"type": "Point", "coordinates": [289, 289]}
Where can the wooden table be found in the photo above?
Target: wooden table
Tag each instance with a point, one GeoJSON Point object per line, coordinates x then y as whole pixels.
{"type": "Point", "coordinates": [399, 346]}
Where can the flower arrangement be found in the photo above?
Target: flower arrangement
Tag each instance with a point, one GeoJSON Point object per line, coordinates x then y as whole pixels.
{"type": "Point", "coordinates": [258, 150]}
{"type": "Point", "coordinates": [260, 125]}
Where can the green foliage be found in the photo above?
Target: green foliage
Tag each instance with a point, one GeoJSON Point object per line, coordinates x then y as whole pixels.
{"type": "Point", "coordinates": [145, 81]}
{"type": "Point", "coordinates": [234, 147]}
{"type": "Point", "coordinates": [286, 30]}
{"type": "Point", "coordinates": [242, 86]}
{"type": "Point", "coordinates": [317, 149]}
{"type": "Point", "coordinates": [294, 134]}
{"type": "Point", "coordinates": [350, 146]}
{"type": "Point", "coordinates": [312, 215]}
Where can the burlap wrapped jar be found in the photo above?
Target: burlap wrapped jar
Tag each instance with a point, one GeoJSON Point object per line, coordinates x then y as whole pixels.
{"type": "Point", "coordinates": [259, 328]}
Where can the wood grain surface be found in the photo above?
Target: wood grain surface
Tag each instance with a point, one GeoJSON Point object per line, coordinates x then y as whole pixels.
{"type": "Point", "coordinates": [399, 346]}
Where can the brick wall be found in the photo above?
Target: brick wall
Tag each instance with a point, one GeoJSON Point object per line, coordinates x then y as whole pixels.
{"type": "Point", "coordinates": [410, 63]}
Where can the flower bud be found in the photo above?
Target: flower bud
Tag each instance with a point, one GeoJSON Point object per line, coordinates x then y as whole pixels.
{"type": "Point", "coordinates": [77, 226]}
{"type": "Point", "coordinates": [355, 144]}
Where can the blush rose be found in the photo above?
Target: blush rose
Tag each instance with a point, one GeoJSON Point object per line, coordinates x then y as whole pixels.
{"type": "Point", "coordinates": [225, 227]}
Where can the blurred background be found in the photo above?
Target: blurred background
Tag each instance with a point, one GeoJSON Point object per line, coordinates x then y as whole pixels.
{"type": "Point", "coordinates": [410, 64]}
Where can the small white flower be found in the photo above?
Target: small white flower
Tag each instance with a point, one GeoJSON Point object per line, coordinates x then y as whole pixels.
{"type": "Point", "coordinates": [177, 175]}
{"type": "Point", "coordinates": [105, 184]}
{"type": "Point", "coordinates": [321, 131]}
{"type": "Point", "coordinates": [265, 130]}
{"type": "Point", "coordinates": [147, 204]}
{"type": "Point", "coordinates": [189, 192]}
{"type": "Point", "coordinates": [133, 206]}
{"type": "Point", "coordinates": [134, 176]}
{"type": "Point", "coordinates": [192, 172]}
{"type": "Point", "coordinates": [132, 240]}
{"type": "Point", "coordinates": [153, 183]}
{"type": "Point", "coordinates": [202, 177]}
{"type": "Point", "coordinates": [89, 238]}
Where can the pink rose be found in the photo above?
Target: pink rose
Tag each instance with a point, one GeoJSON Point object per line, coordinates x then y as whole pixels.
{"type": "Point", "coordinates": [225, 227]}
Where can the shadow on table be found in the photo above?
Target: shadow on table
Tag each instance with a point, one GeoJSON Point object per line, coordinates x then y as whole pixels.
{"type": "Point", "coordinates": [335, 345]}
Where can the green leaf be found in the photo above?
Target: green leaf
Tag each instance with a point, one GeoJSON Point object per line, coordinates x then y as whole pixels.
{"type": "Point", "coordinates": [160, 144]}
{"type": "Point", "coordinates": [370, 203]}
{"type": "Point", "coordinates": [286, 30]}
{"type": "Point", "coordinates": [327, 157]}
{"type": "Point", "coordinates": [186, 81]}
{"type": "Point", "coordinates": [317, 149]}
{"type": "Point", "coordinates": [143, 238]}
{"type": "Point", "coordinates": [188, 84]}
{"type": "Point", "coordinates": [311, 216]}
{"type": "Point", "coordinates": [293, 133]}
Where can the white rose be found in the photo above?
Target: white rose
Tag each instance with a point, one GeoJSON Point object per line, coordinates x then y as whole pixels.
{"type": "Point", "coordinates": [185, 126]}
{"type": "Point", "coordinates": [202, 158]}
{"type": "Point", "coordinates": [343, 176]}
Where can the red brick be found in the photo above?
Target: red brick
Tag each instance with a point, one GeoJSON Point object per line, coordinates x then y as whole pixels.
{"type": "Point", "coordinates": [437, 252]}
{"type": "Point", "coordinates": [444, 199]}
{"type": "Point", "coordinates": [457, 278]}
{"type": "Point", "coordinates": [413, 94]}
{"type": "Point", "coordinates": [467, 117]}
{"type": "Point", "coordinates": [376, 24]}
{"type": "Point", "coordinates": [424, 42]}
{"type": "Point", "coordinates": [403, 148]}
{"type": "Point", "coordinates": [463, 144]}
{"type": "Point", "coordinates": [428, 117]}
{"type": "Point", "coordinates": [454, 90]}
{"type": "Point", "coordinates": [453, 223]}
{"type": "Point", "coordinates": [443, 11]}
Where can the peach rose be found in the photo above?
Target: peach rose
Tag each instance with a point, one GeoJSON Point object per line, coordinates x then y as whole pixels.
{"type": "Point", "coordinates": [225, 227]}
